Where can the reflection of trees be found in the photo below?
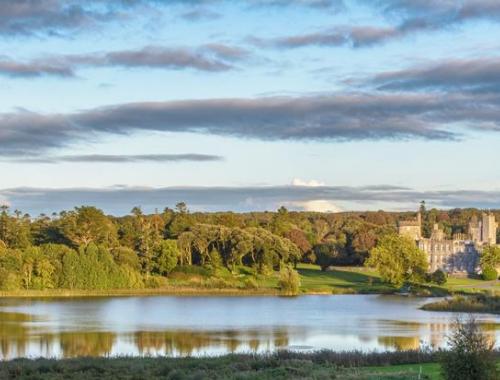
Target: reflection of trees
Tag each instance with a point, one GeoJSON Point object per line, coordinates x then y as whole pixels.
{"type": "Point", "coordinates": [186, 343]}
{"type": "Point", "coordinates": [13, 333]}
{"type": "Point", "coordinates": [86, 343]}
{"type": "Point", "coordinates": [400, 343]}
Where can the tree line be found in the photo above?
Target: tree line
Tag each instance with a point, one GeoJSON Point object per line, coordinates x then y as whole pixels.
{"type": "Point", "coordinates": [86, 249]}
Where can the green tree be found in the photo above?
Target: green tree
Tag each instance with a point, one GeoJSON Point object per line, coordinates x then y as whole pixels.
{"type": "Point", "coordinates": [471, 354]}
{"type": "Point", "coordinates": [325, 255]}
{"type": "Point", "coordinates": [87, 225]}
{"type": "Point", "coordinates": [490, 257]}
{"type": "Point", "coordinates": [489, 273]}
{"type": "Point", "coordinates": [439, 277]}
{"type": "Point", "coordinates": [166, 257]}
{"type": "Point", "coordinates": [398, 260]}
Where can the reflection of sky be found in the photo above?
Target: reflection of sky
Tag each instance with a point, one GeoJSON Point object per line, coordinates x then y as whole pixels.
{"type": "Point", "coordinates": [215, 325]}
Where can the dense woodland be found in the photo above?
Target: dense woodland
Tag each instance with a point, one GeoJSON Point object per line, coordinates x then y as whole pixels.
{"type": "Point", "coordinates": [86, 249]}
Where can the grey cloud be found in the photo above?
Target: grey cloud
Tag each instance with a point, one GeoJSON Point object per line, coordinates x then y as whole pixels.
{"type": "Point", "coordinates": [482, 74]}
{"type": "Point", "coordinates": [110, 158]}
{"type": "Point", "coordinates": [153, 56]}
{"type": "Point", "coordinates": [331, 117]}
{"type": "Point", "coordinates": [56, 17]}
{"type": "Point", "coordinates": [350, 36]}
{"type": "Point", "coordinates": [26, 17]}
{"type": "Point", "coordinates": [320, 4]}
{"type": "Point", "coordinates": [119, 200]}
{"type": "Point", "coordinates": [198, 14]}
{"type": "Point", "coordinates": [212, 57]}
{"type": "Point", "coordinates": [448, 10]}
{"type": "Point", "coordinates": [413, 16]}
{"type": "Point", "coordinates": [14, 69]}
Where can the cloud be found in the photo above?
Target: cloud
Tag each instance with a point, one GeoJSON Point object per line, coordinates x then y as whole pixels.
{"type": "Point", "coordinates": [120, 200]}
{"type": "Point", "coordinates": [319, 4]}
{"type": "Point", "coordinates": [481, 74]}
{"type": "Point", "coordinates": [339, 36]}
{"type": "Point", "coordinates": [15, 69]}
{"type": "Point", "coordinates": [411, 16]}
{"type": "Point", "coordinates": [311, 183]}
{"type": "Point", "coordinates": [26, 17]}
{"type": "Point", "coordinates": [110, 158]}
{"type": "Point", "coordinates": [199, 14]}
{"type": "Point", "coordinates": [214, 57]}
{"type": "Point", "coordinates": [319, 205]}
{"type": "Point", "coordinates": [330, 117]}
{"type": "Point", "coordinates": [59, 17]}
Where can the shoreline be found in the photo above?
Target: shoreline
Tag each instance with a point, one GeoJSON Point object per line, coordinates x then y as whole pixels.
{"type": "Point", "coordinates": [166, 291]}
{"type": "Point", "coordinates": [479, 304]}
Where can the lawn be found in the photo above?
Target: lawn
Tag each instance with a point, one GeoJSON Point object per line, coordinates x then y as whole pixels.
{"type": "Point", "coordinates": [431, 370]}
{"type": "Point", "coordinates": [338, 280]}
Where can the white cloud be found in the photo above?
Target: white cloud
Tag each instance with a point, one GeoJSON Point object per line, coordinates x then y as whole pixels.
{"type": "Point", "coordinates": [318, 205]}
{"type": "Point", "coordinates": [310, 183]}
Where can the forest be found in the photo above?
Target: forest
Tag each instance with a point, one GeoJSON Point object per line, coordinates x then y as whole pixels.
{"type": "Point", "coordinates": [86, 249]}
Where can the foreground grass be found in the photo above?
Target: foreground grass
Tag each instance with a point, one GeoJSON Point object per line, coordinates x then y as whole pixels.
{"type": "Point", "coordinates": [281, 365]}
{"type": "Point", "coordinates": [245, 281]}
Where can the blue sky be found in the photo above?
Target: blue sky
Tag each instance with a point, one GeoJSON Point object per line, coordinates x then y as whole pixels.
{"type": "Point", "coordinates": [247, 105]}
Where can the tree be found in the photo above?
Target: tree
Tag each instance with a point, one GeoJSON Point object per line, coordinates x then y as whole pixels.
{"type": "Point", "coordinates": [439, 277]}
{"type": "Point", "coordinates": [299, 238]}
{"type": "Point", "coordinates": [87, 225]}
{"type": "Point", "coordinates": [490, 257]}
{"type": "Point", "coordinates": [398, 259]}
{"type": "Point", "coordinates": [325, 255]}
{"type": "Point", "coordinates": [126, 256]}
{"type": "Point", "coordinates": [471, 354]}
{"type": "Point", "coordinates": [489, 273]}
{"type": "Point", "coordinates": [166, 256]}
{"type": "Point", "coordinates": [289, 282]}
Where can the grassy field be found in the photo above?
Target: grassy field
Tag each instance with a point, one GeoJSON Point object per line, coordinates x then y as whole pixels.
{"type": "Point", "coordinates": [244, 281]}
{"type": "Point", "coordinates": [321, 365]}
{"type": "Point", "coordinates": [341, 280]}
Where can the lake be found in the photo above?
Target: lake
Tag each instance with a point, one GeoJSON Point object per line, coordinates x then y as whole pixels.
{"type": "Point", "coordinates": [181, 326]}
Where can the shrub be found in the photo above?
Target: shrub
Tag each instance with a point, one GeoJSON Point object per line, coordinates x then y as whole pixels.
{"type": "Point", "coordinates": [489, 273]}
{"type": "Point", "coordinates": [471, 355]}
{"type": "Point", "coordinates": [289, 282]}
{"type": "Point", "coordinates": [251, 283]}
{"type": "Point", "coordinates": [155, 282]}
{"type": "Point", "coordinates": [439, 277]}
{"type": "Point", "coordinates": [9, 281]}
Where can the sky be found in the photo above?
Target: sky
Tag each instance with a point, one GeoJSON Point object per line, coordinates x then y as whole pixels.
{"type": "Point", "coordinates": [247, 105]}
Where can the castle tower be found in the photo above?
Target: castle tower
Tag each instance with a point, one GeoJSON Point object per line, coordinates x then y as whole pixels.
{"type": "Point", "coordinates": [475, 230]}
{"type": "Point", "coordinates": [411, 228]}
{"type": "Point", "coordinates": [489, 229]}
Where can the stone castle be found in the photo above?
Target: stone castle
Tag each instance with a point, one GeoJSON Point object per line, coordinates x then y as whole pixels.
{"type": "Point", "coordinates": [459, 254]}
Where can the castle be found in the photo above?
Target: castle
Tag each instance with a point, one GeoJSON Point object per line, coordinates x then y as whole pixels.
{"type": "Point", "coordinates": [459, 254]}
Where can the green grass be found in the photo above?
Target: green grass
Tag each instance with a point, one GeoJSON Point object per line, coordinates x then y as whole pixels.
{"type": "Point", "coordinates": [262, 367]}
{"type": "Point", "coordinates": [431, 370]}
{"type": "Point", "coordinates": [340, 280]}
{"type": "Point", "coordinates": [470, 285]}
{"type": "Point", "coordinates": [245, 281]}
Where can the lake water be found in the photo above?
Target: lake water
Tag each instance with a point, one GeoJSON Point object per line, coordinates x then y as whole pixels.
{"type": "Point", "coordinates": [180, 326]}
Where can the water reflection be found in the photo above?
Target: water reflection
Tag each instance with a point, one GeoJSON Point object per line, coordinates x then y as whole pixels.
{"type": "Point", "coordinates": [19, 342]}
{"type": "Point", "coordinates": [177, 326]}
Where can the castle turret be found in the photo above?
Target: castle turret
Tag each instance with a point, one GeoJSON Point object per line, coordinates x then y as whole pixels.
{"type": "Point", "coordinates": [489, 229]}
